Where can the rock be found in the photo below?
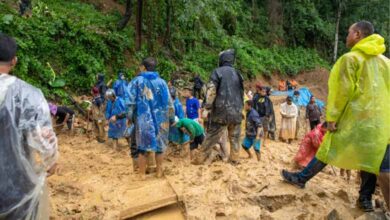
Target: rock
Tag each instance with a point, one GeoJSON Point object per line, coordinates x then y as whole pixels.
{"type": "Point", "coordinates": [339, 213]}
{"type": "Point", "coordinates": [343, 195]}
{"type": "Point", "coordinates": [333, 215]}
{"type": "Point", "coordinates": [372, 216]}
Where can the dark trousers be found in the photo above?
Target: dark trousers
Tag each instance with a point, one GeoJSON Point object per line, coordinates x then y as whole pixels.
{"type": "Point", "coordinates": [368, 180]}
{"type": "Point", "coordinates": [313, 124]}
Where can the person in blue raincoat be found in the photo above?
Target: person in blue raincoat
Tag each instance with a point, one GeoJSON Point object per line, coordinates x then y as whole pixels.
{"type": "Point", "coordinates": [120, 86]}
{"type": "Point", "coordinates": [151, 107]}
{"type": "Point", "coordinates": [116, 115]}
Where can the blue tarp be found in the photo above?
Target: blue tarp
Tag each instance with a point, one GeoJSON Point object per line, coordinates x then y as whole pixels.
{"type": "Point", "coordinates": [304, 97]}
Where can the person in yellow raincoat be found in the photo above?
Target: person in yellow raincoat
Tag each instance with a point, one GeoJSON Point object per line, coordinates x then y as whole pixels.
{"type": "Point", "coordinates": [358, 115]}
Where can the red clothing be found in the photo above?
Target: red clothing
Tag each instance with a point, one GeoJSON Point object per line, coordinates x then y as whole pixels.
{"type": "Point", "coordinates": [309, 146]}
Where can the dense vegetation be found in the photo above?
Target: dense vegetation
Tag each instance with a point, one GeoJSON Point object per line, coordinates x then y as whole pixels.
{"type": "Point", "coordinates": [68, 42]}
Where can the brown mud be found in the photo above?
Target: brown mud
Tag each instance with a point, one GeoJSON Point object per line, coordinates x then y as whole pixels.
{"type": "Point", "coordinates": [94, 179]}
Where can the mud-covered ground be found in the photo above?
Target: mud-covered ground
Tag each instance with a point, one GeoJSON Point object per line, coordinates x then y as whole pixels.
{"type": "Point", "coordinates": [93, 181]}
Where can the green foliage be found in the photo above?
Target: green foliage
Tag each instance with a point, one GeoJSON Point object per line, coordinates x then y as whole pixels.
{"type": "Point", "coordinates": [66, 43]}
{"type": "Point", "coordinates": [71, 39]}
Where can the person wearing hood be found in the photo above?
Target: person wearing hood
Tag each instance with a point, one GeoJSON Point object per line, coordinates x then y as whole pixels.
{"type": "Point", "coordinates": [151, 108]}
{"type": "Point", "coordinates": [116, 116]}
{"type": "Point", "coordinates": [264, 106]}
{"type": "Point", "coordinates": [224, 101]}
{"type": "Point", "coordinates": [101, 86]}
{"type": "Point", "coordinates": [198, 85]}
{"type": "Point", "coordinates": [120, 86]}
{"type": "Point", "coordinates": [357, 115]}
{"type": "Point", "coordinates": [28, 144]}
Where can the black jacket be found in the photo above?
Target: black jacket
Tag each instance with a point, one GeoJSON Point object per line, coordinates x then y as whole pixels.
{"type": "Point", "coordinates": [253, 122]}
{"type": "Point", "coordinates": [228, 103]}
{"type": "Point", "coordinates": [263, 108]}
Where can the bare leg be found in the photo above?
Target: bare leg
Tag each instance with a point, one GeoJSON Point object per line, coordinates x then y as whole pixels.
{"type": "Point", "coordinates": [258, 155]}
{"type": "Point", "coordinates": [249, 153]}
{"type": "Point", "coordinates": [142, 166]}
{"type": "Point", "coordinates": [186, 151]}
{"type": "Point", "coordinates": [115, 144]}
{"type": "Point", "coordinates": [135, 164]}
{"type": "Point", "coordinates": [384, 183]}
{"type": "Point", "coordinates": [265, 139]}
{"type": "Point", "coordinates": [159, 160]}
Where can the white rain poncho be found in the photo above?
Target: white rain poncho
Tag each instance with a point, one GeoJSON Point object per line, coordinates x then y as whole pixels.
{"type": "Point", "coordinates": [28, 147]}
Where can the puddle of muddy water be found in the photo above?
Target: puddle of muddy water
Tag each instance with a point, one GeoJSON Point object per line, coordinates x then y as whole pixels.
{"type": "Point", "coordinates": [172, 212]}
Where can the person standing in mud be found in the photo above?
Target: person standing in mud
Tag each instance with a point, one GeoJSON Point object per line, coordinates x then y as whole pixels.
{"type": "Point", "coordinates": [151, 106]}
{"type": "Point", "coordinates": [224, 101]}
{"type": "Point", "coordinates": [263, 105]}
{"type": "Point", "coordinates": [198, 85]}
{"type": "Point", "coordinates": [28, 144]}
{"type": "Point", "coordinates": [358, 101]}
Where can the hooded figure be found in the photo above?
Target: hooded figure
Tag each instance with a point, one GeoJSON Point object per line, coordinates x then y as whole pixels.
{"type": "Point", "coordinates": [150, 108]}
{"type": "Point", "coordinates": [150, 103]}
{"type": "Point", "coordinates": [358, 117]}
{"type": "Point", "coordinates": [120, 86]}
{"type": "Point", "coordinates": [101, 85]}
{"type": "Point", "coordinates": [224, 101]}
{"type": "Point", "coordinates": [116, 115]}
{"type": "Point", "coordinates": [25, 129]}
{"type": "Point", "coordinates": [359, 102]}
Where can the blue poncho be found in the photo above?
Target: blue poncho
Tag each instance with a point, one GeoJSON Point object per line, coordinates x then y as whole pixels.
{"type": "Point", "coordinates": [116, 129]}
{"type": "Point", "coordinates": [120, 87]}
{"type": "Point", "coordinates": [151, 105]}
{"type": "Point", "coordinates": [175, 135]}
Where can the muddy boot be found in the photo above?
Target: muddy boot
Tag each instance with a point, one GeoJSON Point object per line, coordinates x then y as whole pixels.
{"type": "Point", "coordinates": [292, 178]}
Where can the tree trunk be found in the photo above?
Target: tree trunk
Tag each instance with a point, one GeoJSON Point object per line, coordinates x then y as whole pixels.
{"type": "Point", "coordinates": [254, 10]}
{"type": "Point", "coordinates": [129, 9]}
{"type": "Point", "coordinates": [336, 40]}
{"type": "Point", "coordinates": [167, 39]}
{"type": "Point", "coordinates": [138, 26]}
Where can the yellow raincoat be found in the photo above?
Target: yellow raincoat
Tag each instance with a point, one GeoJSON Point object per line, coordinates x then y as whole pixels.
{"type": "Point", "coordinates": [359, 102]}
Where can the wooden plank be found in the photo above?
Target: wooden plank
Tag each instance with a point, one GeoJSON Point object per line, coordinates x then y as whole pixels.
{"type": "Point", "coordinates": [148, 198]}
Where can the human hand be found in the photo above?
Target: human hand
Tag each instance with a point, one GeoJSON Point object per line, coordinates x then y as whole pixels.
{"type": "Point", "coordinates": [113, 119]}
{"type": "Point", "coordinates": [52, 170]}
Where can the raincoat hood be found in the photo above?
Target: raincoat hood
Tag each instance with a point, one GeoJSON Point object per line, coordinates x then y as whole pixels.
{"type": "Point", "coordinates": [150, 75]}
{"type": "Point", "coordinates": [227, 57]}
{"type": "Point", "coordinates": [371, 45]}
{"type": "Point", "coordinates": [100, 77]}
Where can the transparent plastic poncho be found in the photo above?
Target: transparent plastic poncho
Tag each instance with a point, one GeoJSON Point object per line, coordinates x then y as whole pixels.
{"type": "Point", "coordinates": [28, 148]}
{"type": "Point", "coordinates": [359, 102]}
{"type": "Point", "coordinates": [151, 107]}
